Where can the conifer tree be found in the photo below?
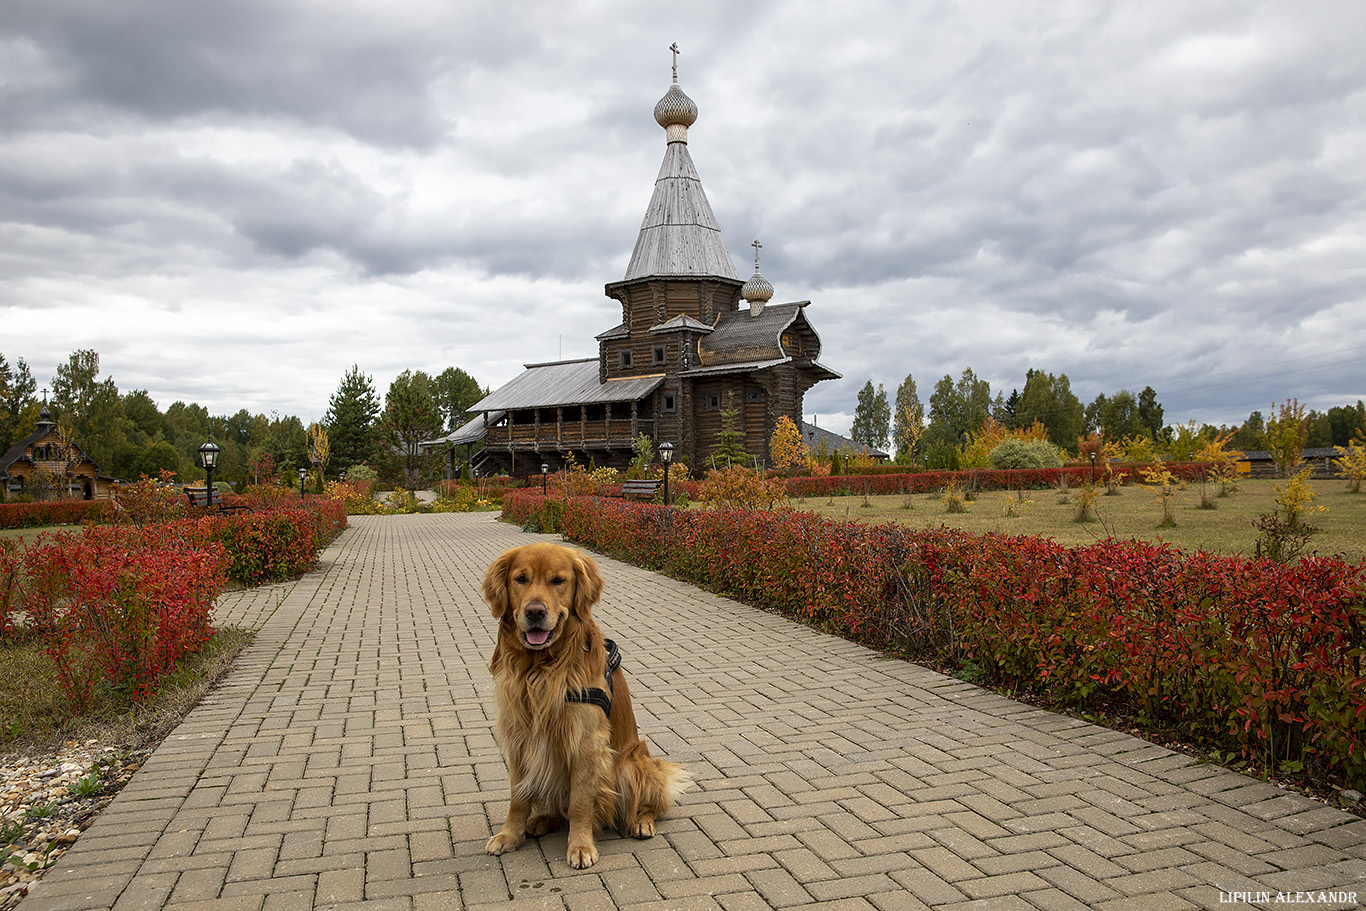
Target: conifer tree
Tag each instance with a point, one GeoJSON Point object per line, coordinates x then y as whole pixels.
{"type": "Point", "coordinates": [730, 449]}
{"type": "Point", "coordinates": [350, 420]}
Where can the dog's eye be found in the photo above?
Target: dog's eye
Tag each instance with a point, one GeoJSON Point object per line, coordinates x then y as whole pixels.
{"type": "Point", "coordinates": [520, 578]}
{"type": "Point", "coordinates": [557, 580]}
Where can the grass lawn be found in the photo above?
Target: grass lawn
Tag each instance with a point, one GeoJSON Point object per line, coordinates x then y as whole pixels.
{"type": "Point", "coordinates": [1135, 513]}
{"type": "Point", "coordinates": [26, 534]}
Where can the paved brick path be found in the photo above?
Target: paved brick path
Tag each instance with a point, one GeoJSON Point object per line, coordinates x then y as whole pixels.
{"type": "Point", "coordinates": [349, 759]}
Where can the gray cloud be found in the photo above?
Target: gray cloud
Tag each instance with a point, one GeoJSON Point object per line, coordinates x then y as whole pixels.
{"type": "Point", "coordinates": [1165, 194]}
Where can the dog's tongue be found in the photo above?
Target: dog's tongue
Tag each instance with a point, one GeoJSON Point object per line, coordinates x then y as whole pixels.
{"type": "Point", "coordinates": [537, 636]}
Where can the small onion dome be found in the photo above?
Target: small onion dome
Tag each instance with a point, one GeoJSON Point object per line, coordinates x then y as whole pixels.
{"type": "Point", "coordinates": [757, 290]}
{"type": "Point", "coordinates": [675, 112]}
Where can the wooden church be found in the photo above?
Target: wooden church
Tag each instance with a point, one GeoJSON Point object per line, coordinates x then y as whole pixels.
{"type": "Point", "coordinates": [685, 351]}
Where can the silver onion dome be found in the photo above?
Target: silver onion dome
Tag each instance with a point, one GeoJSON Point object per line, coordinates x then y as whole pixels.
{"type": "Point", "coordinates": [675, 112]}
{"type": "Point", "coordinates": [757, 289]}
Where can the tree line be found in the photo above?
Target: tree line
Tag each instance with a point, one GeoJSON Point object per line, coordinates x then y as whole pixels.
{"type": "Point", "coordinates": [128, 435]}
{"type": "Point", "coordinates": [938, 437]}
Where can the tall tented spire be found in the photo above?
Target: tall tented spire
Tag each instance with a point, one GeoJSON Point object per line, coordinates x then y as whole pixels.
{"type": "Point", "coordinates": [679, 235]}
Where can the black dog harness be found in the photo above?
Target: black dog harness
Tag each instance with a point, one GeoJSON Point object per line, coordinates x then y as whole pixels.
{"type": "Point", "coordinates": [595, 695]}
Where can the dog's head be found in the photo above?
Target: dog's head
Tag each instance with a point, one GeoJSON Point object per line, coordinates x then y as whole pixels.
{"type": "Point", "coordinates": [540, 589]}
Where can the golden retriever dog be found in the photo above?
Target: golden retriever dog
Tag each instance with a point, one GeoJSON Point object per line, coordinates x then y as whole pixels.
{"type": "Point", "coordinates": [565, 722]}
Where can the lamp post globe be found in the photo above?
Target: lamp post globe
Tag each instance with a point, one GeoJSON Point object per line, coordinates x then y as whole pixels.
{"type": "Point", "coordinates": [208, 453]}
{"type": "Point", "coordinates": [1093, 467]}
{"type": "Point", "coordinates": [545, 473]}
{"type": "Point", "coordinates": [303, 473]}
{"type": "Point", "coordinates": [666, 455]}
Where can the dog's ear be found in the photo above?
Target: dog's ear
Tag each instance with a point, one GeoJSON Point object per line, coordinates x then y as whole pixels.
{"type": "Point", "coordinates": [496, 583]}
{"type": "Point", "coordinates": [587, 584]}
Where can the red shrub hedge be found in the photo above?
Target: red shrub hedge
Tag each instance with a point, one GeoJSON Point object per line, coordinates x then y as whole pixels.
{"type": "Point", "coordinates": [269, 545]}
{"type": "Point", "coordinates": [56, 512]}
{"type": "Point", "coordinates": [113, 606]}
{"type": "Point", "coordinates": [1246, 655]}
{"type": "Point", "coordinates": [119, 605]}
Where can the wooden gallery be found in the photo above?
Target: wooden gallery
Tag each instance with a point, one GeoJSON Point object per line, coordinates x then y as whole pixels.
{"type": "Point", "coordinates": [684, 352]}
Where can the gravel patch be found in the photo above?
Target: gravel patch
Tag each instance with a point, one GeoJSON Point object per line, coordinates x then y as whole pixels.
{"type": "Point", "coordinates": [47, 801]}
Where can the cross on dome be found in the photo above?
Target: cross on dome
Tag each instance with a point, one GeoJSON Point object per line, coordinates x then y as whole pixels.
{"type": "Point", "coordinates": [757, 290]}
{"type": "Point", "coordinates": [675, 112]}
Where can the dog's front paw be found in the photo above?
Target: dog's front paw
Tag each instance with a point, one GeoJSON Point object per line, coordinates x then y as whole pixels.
{"type": "Point", "coordinates": [644, 827]}
{"type": "Point", "coordinates": [502, 843]}
{"type": "Point", "coordinates": [581, 856]}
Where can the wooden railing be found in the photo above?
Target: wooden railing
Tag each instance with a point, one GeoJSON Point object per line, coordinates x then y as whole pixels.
{"type": "Point", "coordinates": [617, 433]}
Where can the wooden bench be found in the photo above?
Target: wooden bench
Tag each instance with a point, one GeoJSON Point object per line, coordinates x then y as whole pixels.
{"type": "Point", "coordinates": [198, 496]}
{"type": "Point", "coordinates": [643, 489]}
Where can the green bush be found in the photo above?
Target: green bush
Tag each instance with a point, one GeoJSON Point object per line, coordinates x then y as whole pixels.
{"type": "Point", "coordinates": [1012, 453]}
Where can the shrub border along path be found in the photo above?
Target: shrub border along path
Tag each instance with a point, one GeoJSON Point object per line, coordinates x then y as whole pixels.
{"type": "Point", "coordinates": [1246, 656]}
{"type": "Point", "coordinates": [349, 757]}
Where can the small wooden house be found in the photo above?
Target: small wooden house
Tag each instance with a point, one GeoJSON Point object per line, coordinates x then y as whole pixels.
{"type": "Point", "coordinates": [685, 356]}
{"type": "Point", "coordinates": [1262, 464]}
{"type": "Point", "coordinates": [46, 463]}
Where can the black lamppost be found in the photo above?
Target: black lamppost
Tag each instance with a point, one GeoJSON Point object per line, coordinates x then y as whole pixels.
{"type": "Point", "coordinates": [545, 473]}
{"type": "Point", "coordinates": [666, 455]}
{"type": "Point", "coordinates": [209, 454]}
{"type": "Point", "coordinates": [303, 473]}
{"type": "Point", "coordinates": [1093, 468]}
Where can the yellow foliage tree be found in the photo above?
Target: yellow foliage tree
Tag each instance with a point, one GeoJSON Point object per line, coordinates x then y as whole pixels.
{"type": "Point", "coordinates": [1223, 461]}
{"type": "Point", "coordinates": [1164, 485]}
{"type": "Point", "coordinates": [738, 487]}
{"type": "Point", "coordinates": [1284, 535]}
{"type": "Point", "coordinates": [1139, 448]}
{"type": "Point", "coordinates": [1352, 464]}
{"type": "Point", "coordinates": [1297, 498]}
{"type": "Point", "coordinates": [786, 446]}
{"type": "Point", "coordinates": [1287, 434]}
{"type": "Point", "coordinates": [318, 451]}
{"type": "Point", "coordinates": [910, 427]}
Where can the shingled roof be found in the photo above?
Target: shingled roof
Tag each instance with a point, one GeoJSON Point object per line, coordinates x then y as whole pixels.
{"type": "Point", "coordinates": [747, 335]}
{"type": "Point", "coordinates": [566, 383]}
{"type": "Point", "coordinates": [747, 338]}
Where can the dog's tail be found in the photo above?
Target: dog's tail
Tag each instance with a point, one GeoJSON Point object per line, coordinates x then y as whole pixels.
{"type": "Point", "coordinates": [646, 787]}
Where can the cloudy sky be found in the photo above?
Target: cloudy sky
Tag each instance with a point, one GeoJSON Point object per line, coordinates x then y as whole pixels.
{"type": "Point", "coordinates": [233, 202]}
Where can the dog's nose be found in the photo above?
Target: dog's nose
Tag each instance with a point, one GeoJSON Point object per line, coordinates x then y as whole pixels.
{"type": "Point", "coordinates": [535, 614]}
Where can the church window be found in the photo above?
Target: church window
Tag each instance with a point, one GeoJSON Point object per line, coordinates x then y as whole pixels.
{"type": "Point", "coordinates": [659, 354]}
{"type": "Point", "coordinates": [625, 359]}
